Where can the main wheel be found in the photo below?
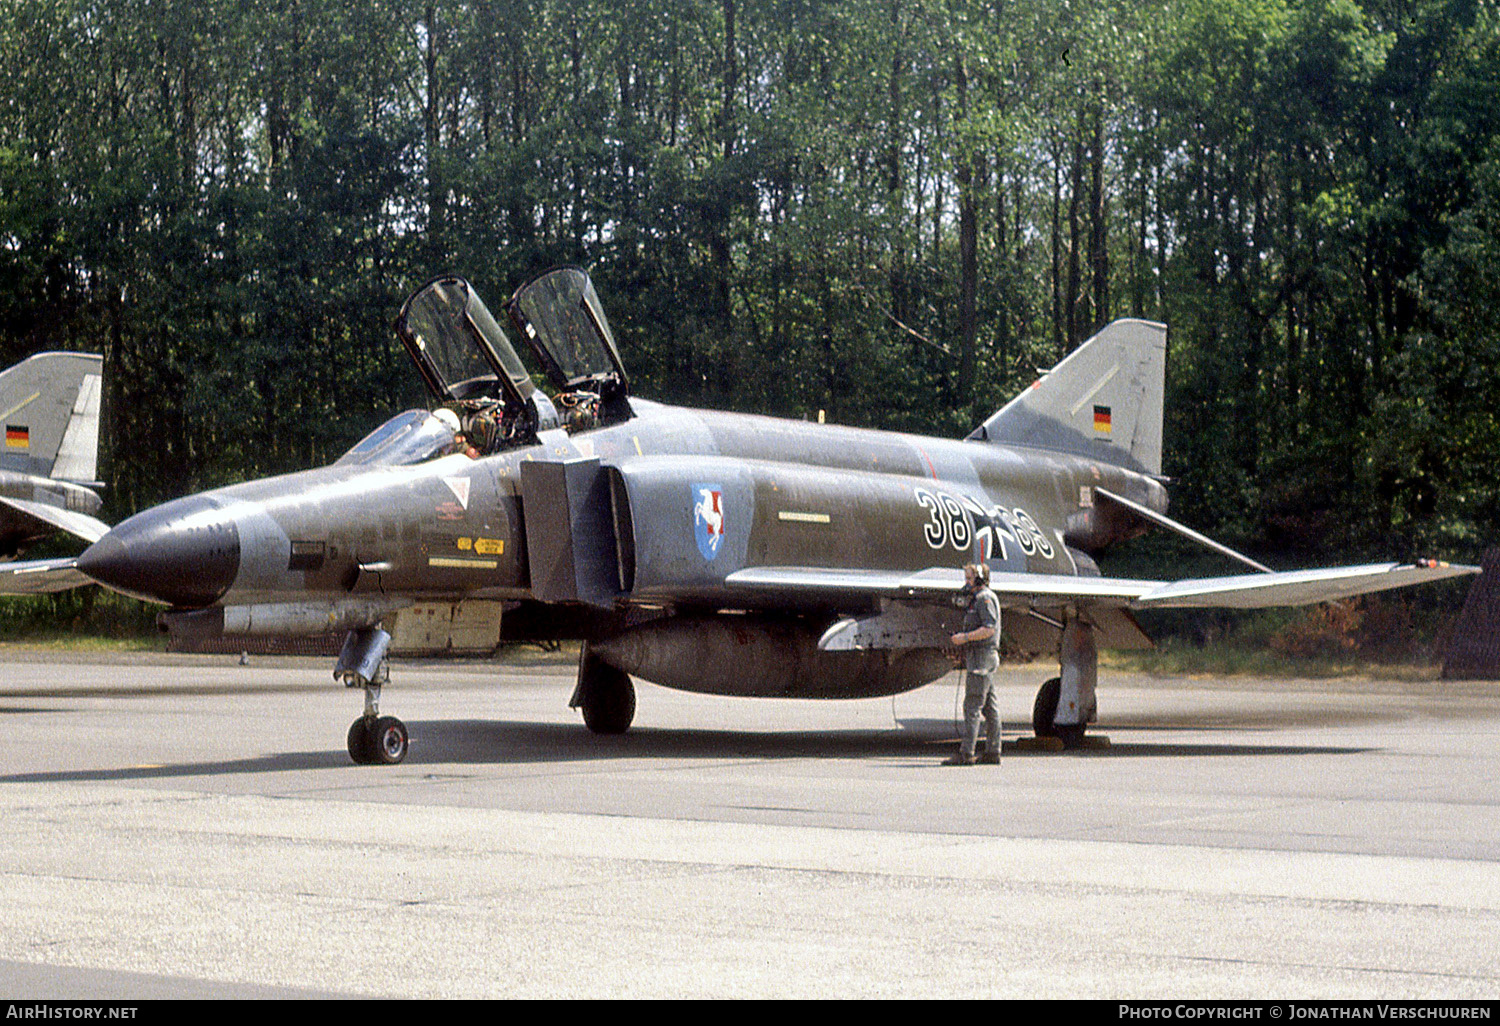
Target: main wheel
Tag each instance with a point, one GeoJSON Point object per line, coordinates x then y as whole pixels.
{"type": "Point", "coordinates": [361, 748]}
{"type": "Point", "coordinates": [607, 698]}
{"type": "Point", "coordinates": [388, 741]}
{"type": "Point", "coordinates": [1044, 711]}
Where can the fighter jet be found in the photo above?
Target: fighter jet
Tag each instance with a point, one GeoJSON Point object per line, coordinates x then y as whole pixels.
{"type": "Point", "coordinates": [712, 552]}
{"type": "Point", "coordinates": [49, 405]}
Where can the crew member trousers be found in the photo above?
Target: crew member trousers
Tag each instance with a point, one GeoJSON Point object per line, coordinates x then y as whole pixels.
{"type": "Point", "coordinates": [980, 699]}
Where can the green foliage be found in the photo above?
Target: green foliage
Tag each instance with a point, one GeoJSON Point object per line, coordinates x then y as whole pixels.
{"type": "Point", "coordinates": [1401, 636]}
{"type": "Point", "coordinates": [91, 612]}
{"type": "Point", "coordinates": [890, 210]}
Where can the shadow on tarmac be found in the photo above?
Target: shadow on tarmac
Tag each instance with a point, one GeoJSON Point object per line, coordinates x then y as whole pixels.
{"type": "Point", "coordinates": [500, 742]}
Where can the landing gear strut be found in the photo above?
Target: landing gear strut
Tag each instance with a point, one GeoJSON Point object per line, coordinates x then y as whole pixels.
{"type": "Point", "coordinates": [604, 693]}
{"type": "Point", "coordinates": [373, 739]}
{"type": "Point", "coordinates": [1066, 704]}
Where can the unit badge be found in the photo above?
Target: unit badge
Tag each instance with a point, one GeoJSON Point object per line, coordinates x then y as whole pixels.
{"type": "Point", "coordinates": [708, 518]}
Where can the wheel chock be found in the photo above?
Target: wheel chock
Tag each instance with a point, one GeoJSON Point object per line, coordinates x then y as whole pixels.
{"type": "Point", "coordinates": [1093, 742]}
{"type": "Point", "coordinates": [1040, 744]}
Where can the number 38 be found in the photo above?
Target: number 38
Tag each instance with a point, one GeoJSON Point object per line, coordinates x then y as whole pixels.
{"type": "Point", "coordinates": [947, 523]}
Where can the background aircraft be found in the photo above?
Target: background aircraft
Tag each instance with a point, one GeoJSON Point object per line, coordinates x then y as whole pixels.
{"type": "Point", "coordinates": [712, 552]}
{"type": "Point", "coordinates": [49, 407]}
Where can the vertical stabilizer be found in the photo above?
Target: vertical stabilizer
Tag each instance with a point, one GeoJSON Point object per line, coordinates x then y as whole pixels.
{"type": "Point", "coordinates": [49, 410]}
{"type": "Point", "coordinates": [1104, 400]}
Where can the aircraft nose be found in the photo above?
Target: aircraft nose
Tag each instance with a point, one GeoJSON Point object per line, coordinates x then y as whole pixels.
{"type": "Point", "coordinates": [185, 553]}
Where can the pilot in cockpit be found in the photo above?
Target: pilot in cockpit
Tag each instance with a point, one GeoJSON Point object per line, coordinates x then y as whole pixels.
{"type": "Point", "coordinates": [580, 409]}
{"type": "Point", "coordinates": [483, 422]}
{"type": "Point", "coordinates": [460, 443]}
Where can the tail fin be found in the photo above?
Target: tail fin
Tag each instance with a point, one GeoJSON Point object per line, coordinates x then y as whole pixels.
{"type": "Point", "coordinates": [49, 409]}
{"type": "Point", "coordinates": [1104, 400]}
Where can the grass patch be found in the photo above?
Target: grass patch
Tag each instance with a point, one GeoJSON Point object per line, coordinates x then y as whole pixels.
{"type": "Point", "coordinates": [1376, 635]}
{"type": "Point", "coordinates": [1233, 660]}
{"type": "Point", "coordinates": [84, 619]}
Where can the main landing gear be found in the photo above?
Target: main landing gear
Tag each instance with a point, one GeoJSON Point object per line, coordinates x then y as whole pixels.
{"type": "Point", "coordinates": [1066, 704]}
{"type": "Point", "coordinates": [373, 739]}
{"type": "Point", "coordinates": [605, 695]}
{"type": "Point", "coordinates": [1044, 715]}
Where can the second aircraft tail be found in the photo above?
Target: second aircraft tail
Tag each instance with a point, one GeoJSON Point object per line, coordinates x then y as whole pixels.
{"type": "Point", "coordinates": [49, 410]}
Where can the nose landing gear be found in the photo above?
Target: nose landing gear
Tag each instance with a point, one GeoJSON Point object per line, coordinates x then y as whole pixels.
{"type": "Point", "coordinates": [373, 739]}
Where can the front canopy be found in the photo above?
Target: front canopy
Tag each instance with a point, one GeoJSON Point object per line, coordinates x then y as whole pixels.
{"type": "Point", "coordinates": [457, 345]}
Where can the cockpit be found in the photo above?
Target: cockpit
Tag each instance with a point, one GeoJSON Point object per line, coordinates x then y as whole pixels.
{"type": "Point", "coordinates": [560, 316]}
{"type": "Point", "coordinates": [412, 436]}
{"type": "Point", "coordinates": [469, 365]}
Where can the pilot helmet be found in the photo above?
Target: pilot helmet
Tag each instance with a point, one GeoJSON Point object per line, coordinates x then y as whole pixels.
{"type": "Point", "coordinates": [448, 418]}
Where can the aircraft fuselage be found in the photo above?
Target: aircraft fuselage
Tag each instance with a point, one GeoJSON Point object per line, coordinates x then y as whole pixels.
{"type": "Point", "coordinates": [709, 493]}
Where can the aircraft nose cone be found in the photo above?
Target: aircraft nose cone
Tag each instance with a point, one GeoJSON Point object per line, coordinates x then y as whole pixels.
{"type": "Point", "coordinates": [185, 553]}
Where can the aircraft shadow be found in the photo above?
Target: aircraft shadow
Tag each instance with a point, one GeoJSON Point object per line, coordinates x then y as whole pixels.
{"type": "Point", "coordinates": [1151, 749]}
{"type": "Point", "coordinates": [498, 742]}
{"type": "Point", "coordinates": [286, 762]}
{"type": "Point", "coordinates": [478, 742]}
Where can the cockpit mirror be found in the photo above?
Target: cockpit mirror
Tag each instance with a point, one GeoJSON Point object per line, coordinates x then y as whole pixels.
{"type": "Point", "coordinates": [559, 315]}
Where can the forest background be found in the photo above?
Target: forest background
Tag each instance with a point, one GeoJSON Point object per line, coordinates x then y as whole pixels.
{"type": "Point", "coordinates": [894, 211]}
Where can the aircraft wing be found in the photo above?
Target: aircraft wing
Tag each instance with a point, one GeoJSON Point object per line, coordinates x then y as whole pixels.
{"type": "Point", "coordinates": [1296, 587]}
{"type": "Point", "coordinates": [1244, 591]}
{"type": "Point", "coordinates": [80, 525]}
{"type": "Point", "coordinates": [935, 583]}
{"type": "Point", "coordinates": [38, 576]}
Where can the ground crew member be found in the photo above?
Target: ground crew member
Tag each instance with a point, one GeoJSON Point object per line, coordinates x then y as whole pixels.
{"type": "Point", "coordinates": [980, 643]}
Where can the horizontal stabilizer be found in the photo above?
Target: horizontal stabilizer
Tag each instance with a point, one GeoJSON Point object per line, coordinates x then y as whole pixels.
{"type": "Point", "coordinates": [80, 525]}
{"type": "Point", "coordinates": [40, 576]}
{"type": "Point", "coordinates": [1152, 517]}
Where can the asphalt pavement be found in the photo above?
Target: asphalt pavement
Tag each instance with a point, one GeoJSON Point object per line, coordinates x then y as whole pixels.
{"type": "Point", "coordinates": [186, 826]}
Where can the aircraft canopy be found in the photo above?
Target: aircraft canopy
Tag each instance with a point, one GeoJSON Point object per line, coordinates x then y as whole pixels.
{"type": "Point", "coordinates": [409, 437]}
{"type": "Point", "coordinates": [563, 321]}
{"type": "Point", "coordinates": [458, 346]}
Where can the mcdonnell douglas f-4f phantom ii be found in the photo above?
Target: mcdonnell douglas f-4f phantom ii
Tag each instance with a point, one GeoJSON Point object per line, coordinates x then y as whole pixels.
{"type": "Point", "coordinates": [713, 552]}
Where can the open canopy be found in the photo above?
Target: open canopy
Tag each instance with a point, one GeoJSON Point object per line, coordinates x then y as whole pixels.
{"type": "Point", "coordinates": [457, 345]}
{"type": "Point", "coordinates": [469, 364]}
{"type": "Point", "coordinates": [560, 315]}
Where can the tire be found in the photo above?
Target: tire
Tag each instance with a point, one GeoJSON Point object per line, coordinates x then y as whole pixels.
{"type": "Point", "coordinates": [1044, 709]}
{"type": "Point", "coordinates": [361, 746]}
{"type": "Point", "coordinates": [608, 699]}
{"type": "Point", "coordinates": [389, 742]}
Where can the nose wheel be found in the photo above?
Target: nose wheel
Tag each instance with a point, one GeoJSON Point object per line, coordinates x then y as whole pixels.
{"type": "Point", "coordinates": [378, 741]}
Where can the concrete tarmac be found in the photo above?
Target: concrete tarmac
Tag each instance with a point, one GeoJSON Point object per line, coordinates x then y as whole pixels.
{"type": "Point", "coordinates": [177, 826]}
